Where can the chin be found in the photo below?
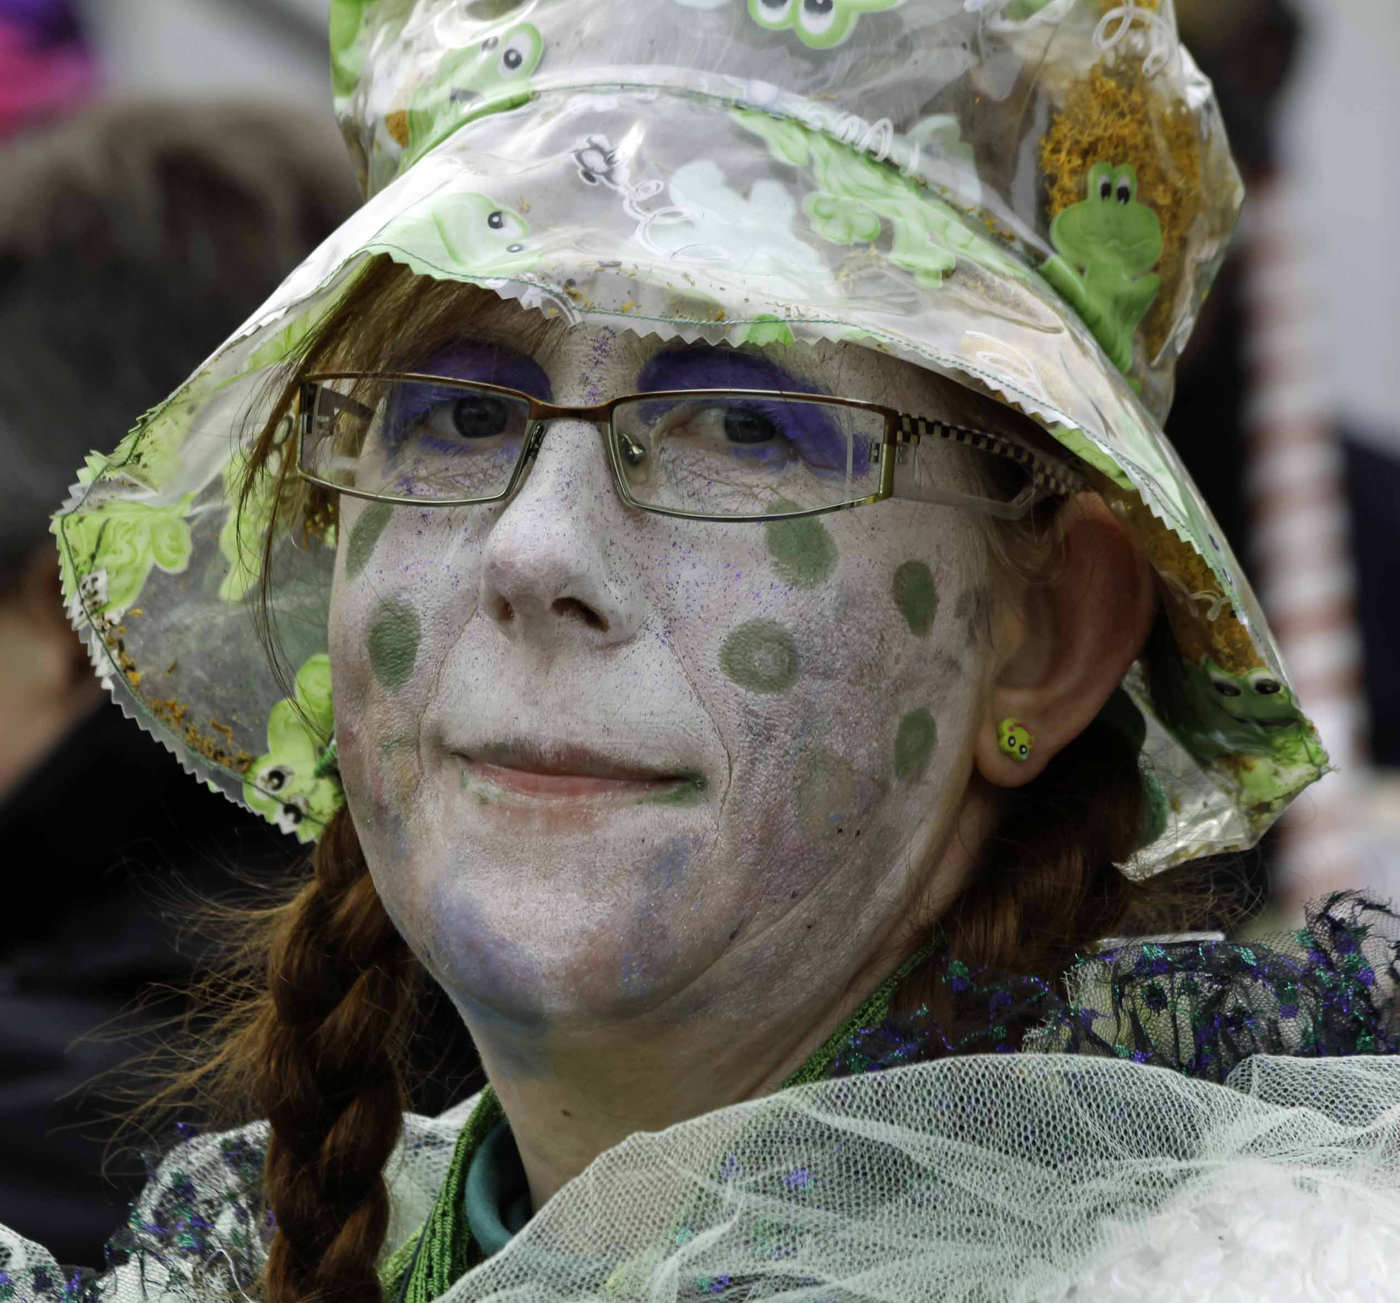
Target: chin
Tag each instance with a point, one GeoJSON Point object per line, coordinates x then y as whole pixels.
{"type": "Point", "coordinates": [559, 927]}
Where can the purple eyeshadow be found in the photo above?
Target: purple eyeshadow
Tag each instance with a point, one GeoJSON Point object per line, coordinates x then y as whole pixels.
{"type": "Point", "coordinates": [490, 364]}
{"type": "Point", "coordinates": [813, 429]}
{"type": "Point", "coordinates": [716, 368]}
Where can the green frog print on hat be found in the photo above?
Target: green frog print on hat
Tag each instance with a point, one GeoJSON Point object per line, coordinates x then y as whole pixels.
{"type": "Point", "coordinates": [473, 236]}
{"type": "Point", "coordinates": [119, 543]}
{"type": "Point", "coordinates": [1013, 193]}
{"type": "Point", "coordinates": [288, 786]}
{"type": "Point", "coordinates": [492, 76]}
{"type": "Point", "coordinates": [1248, 720]}
{"type": "Point", "coordinates": [818, 23]}
{"type": "Point", "coordinates": [1107, 245]}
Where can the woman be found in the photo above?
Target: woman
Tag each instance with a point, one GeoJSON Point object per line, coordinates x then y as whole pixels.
{"type": "Point", "coordinates": [718, 810]}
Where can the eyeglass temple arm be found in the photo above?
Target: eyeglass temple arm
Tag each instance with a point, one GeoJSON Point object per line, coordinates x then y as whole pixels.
{"type": "Point", "coordinates": [315, 396]}
{"type": "Point", "coordinates": [1044, 478]}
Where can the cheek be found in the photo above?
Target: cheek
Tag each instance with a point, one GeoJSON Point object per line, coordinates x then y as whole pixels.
{"type": "Point", "coordinates": [837, 669]}
{"type": "Point", "coordinates": [404, 586]}
{"type": "Point", "coordinates": [467, 954]}
{"type": "Point", "coordinates": [406, 582]}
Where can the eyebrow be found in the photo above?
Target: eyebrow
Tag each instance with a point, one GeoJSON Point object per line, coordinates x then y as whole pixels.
{"type": "Point", "coordinates": [491, 364]}
{"type": "Point", "coordinates": [703, 367]}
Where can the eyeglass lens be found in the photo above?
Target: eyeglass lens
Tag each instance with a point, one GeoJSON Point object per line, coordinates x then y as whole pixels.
{"type": "Point", "coordinates": [710, 454]}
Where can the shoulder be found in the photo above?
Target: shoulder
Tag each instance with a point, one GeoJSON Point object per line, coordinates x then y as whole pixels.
{"type": "Point", "coordinates": [197, 1228]}
{"type": "Point", "coordinates": [201, 1228]}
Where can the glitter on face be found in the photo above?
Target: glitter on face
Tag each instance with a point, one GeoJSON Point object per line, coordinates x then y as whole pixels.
{"type": "Point", "coordinates": [570, 623]}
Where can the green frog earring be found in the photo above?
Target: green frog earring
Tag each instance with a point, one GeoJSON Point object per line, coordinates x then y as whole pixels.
{"type": "Point", "coordinates": [1015, 739]}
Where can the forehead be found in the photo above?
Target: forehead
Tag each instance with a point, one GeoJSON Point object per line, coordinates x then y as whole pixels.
{"type": "Point", "coordinates": [580, 357]}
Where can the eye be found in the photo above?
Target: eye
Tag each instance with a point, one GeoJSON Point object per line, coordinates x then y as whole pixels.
{"type": "Point", "coordinates": [1225, 687]}
{"type": "Point", "coordinates": [520, 54]}
{"type": "Point", "coordinates": [507, 223]}
{"type": "Point", "coordinates": [1265, 685]}
{"type": "Point", "coordinates": [1125, 193]}
{"type": "Point", "coordinates": [774, 12]}
{"type": "Point", "coordinates": [276, 778]}
{"type": "Point", "coordinates": [818, 15]}
{"type": "Point", "coordinates": [479, 416]}
{"type": "Point", "coordinates": [744, 425]}
{"type": "Point", "coordinates": [490, 43]}
{"type": "Point", "coordinates": [1106, 189]}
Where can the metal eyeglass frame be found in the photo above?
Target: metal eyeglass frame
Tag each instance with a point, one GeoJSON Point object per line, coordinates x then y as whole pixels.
{"type": "Point", "coordinates": [902, 431]}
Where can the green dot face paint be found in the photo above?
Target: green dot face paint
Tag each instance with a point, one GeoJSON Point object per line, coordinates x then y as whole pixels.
{"type": "Point", "coordinates": [913, 744]}
{"type": "Point", "coordinates": [802, 551]}
{"type": "Point", "coordinates": [393, 642]}
{"type": "Point", "coordinates": [916, 597]}
{"type": "Point", "coordinates": [760, 656]}
{"type": "Point", "coordinates": [363, 537]}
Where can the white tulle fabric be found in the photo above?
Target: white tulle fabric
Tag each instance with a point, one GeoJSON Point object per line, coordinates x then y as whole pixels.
{"type": "Point", "coordinates": [1017, 1177]}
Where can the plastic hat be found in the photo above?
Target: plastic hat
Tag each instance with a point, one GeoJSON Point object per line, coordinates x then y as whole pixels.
{"type": "Point", "coordinates": [1028, 196]}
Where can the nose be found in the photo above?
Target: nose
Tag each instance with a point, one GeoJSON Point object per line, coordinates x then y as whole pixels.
{"type": "Point", "coordinates": [554, 570]}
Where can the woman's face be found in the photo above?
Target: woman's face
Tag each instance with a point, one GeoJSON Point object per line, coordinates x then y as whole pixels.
{"type": "Point", "coordinates": [606, 764]}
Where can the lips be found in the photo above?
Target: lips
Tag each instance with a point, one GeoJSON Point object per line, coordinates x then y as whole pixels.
{"type": "Point", "coordinates": [562, 771]}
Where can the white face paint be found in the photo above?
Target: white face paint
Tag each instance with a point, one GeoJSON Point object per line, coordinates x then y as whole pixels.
{"type": "Point", "coordinates": [769, 728]}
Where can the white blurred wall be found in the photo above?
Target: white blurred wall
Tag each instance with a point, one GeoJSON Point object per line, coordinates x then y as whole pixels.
{"type": "Point", "coordinates": [213, 47]}
{"type": "Point", "coordinates": [1341, 138]}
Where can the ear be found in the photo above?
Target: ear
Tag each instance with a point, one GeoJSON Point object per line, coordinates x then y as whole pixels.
{"type": "Point", "coordinates": [1064, 643]}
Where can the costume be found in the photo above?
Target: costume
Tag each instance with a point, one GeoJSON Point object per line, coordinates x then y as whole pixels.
{"type": "Point", "coordinates": [1031, 197]}
{"type": "Point", "coordinates": [1179, 1128]}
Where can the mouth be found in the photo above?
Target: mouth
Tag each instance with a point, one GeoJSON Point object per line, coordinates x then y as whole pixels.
{"type": "Point", "coordinates": [1282, 722]}
{"type": "Point", "coordinates": [561, 772]}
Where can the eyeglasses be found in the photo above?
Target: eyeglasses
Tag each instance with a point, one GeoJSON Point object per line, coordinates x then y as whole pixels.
{"type": "Point", "coordinates": [702, 454]}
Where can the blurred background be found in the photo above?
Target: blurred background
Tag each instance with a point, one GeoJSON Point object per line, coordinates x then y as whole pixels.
{"type": "Point", "coordinates": [163, 163]}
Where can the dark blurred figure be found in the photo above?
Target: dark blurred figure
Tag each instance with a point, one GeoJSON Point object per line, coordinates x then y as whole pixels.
{"type": "Point", "coordinates": [132, 240]}
{"type": "Point", "coordinates": [1248, 48]}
